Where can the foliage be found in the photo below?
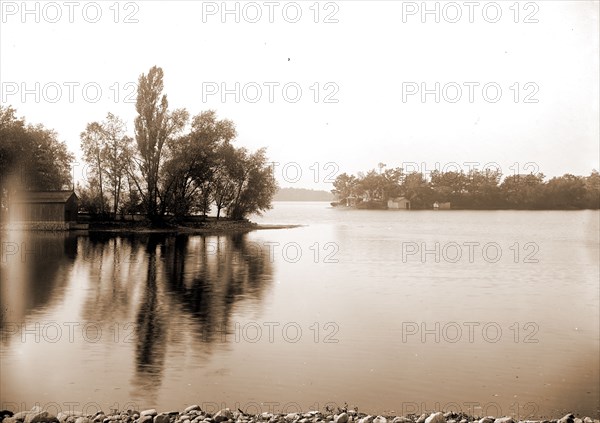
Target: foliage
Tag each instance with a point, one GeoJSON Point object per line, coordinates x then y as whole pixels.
{"type": "Point", "coordinates": [154, 126]}
{"type": "Point", "coordinates": [473, 190]}
{"type": "Point", "coordinates": [31, 157]}
{"type": "Point", "coordinates": [171, 171]}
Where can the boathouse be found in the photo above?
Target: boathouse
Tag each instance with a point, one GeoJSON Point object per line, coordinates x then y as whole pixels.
{"type": "Point", "coordinates": [400, 203]}
{"type": "Point", "coordinates": [53, 210]}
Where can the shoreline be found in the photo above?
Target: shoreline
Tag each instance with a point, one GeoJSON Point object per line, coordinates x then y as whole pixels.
{"type": "Point", "coordinates": [190, 230]}
{"type": "Point", "coordinates": [194, 414]}
{"type": "Point", "coordinates": [132, 228]}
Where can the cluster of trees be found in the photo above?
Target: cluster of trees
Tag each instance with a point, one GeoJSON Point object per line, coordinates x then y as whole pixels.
{"type": "Point", "coordinates": [170, 167]}
{"type": "Point", "coordinates": [31, 158]}
{"type": "Point", "coordinates": [473, 190]}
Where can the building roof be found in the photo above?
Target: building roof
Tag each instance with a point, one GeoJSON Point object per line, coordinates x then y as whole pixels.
{"type": "Point", "coordinates": [44, 197]}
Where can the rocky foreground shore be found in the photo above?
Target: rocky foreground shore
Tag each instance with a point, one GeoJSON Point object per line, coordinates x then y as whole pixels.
{"type": "Point", "coordinates": [194, 414]}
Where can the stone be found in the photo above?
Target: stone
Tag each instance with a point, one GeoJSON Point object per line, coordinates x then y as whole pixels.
{"type": "Point", "coordinates": [588, 420]}
{"type": "Point", "coordinates": [504, 420]}
{"type": "Point", "coordinates": [162, 418]}
{"type": "Point", "coordinates": [342, 418]}
{"type": "Point", "coordinates": [487, 420]}
{"type": "Point", "coordinates": [366, 419]}
{"type": "Point", "coordinates": [223, 415]}
{"type": "Point", "coordinates": [569, 418]}
{"type": "Point", "coordinates": [401, 419]}
{"type": "Point", "coordinates": [291, 417]}
{"type": "Point", "coordinates": [422, 418]}
{"type": "Point", "coordinates": [64, 415]}
{"type": "Point", "coordinates": [20, 415]}
{"type": "Point", "coordinates": [145, 419]}
{"type": "Point", "coordinates": [379, 419]}
{"type": "Point", "coordinates": [191, 408]}
{"type": "Point", "coordinates": [435, 418]}
{"type": "Point", "coordinates": [39, 417]}
{"type": "Point", "coordinates": [9, 420]}
{"type": "Point", "coordinates": [151, 412]}
{"type": "Point", "coordinates": [83, 420]}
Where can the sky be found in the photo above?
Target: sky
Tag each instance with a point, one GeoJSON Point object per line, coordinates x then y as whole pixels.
{"type": "Point", "coordinates": [330, 86]}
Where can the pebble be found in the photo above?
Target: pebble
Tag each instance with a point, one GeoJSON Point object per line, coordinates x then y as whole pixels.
{"type": "Point", "coordinates": [191, 408]}
{"type": "Point", "coordinates": [569, 418]}
{"type": "Point", "coordinates": [342, 418]}
{"type": "Point", "coordinates": [20, 415]}
{"type": "Point", "coordinates": [151, 412]}
{"type": "Point", "coordinates": [40, 417]}
{"type": "Point", "coordinates": [223, 415]}
{"type": "Point", "coordinates": [504, 420]}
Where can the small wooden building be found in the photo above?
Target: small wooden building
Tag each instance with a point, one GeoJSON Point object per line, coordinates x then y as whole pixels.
{"type": "Point", "coordinates": [54, 209]}
{"type": "Point", "coordinates": [400, 203]}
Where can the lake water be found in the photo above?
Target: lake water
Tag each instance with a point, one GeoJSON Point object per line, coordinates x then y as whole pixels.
{"type": "Point", "coordinates": [488, 312]}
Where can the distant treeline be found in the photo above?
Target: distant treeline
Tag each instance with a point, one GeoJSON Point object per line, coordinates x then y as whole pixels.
{"type": "Point", "coordinates": [302, 194]}
{"type": "Point", "coordinates": [483, 190]}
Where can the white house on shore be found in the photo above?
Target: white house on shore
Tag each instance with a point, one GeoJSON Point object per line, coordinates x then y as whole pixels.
{"type": "Point", "coordinates": [399, 203]}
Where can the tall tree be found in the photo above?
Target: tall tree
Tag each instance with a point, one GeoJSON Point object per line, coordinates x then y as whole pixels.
{"type": "Point", "coordinates": [116, 155]}
{"type": "Point", "coordinates": [92, 146]}
{"type": "Point", "coordinates": [154, 125]}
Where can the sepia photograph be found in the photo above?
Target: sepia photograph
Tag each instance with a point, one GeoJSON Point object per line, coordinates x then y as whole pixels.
{"type": "Point", "coordinates": [304, 211]}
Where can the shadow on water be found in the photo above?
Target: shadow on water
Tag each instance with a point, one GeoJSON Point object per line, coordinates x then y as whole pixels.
{"type": "Point", "coordinates": [34, 270]}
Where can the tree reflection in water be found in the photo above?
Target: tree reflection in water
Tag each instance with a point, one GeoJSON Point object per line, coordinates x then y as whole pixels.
{"type": "Point", "coordinates": [178, 290]}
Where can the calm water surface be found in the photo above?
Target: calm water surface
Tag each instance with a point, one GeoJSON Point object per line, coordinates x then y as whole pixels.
{"type": "Point", "coordinates": [493, 313]}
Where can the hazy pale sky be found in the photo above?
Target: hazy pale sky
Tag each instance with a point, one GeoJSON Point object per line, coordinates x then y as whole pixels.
{"type": "Point", "coordinates": [338, 83]}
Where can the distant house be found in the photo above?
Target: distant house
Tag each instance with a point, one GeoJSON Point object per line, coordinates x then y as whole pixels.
{"type": "Point", "coordinates": [54, 210]}
{"type": "Point", "coordinates": [398, 203]}
{"type": "Point", "coordinates": [441, 206]}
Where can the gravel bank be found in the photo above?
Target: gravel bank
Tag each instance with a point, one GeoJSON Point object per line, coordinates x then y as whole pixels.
{"type": "Point", "coordinates": [194, 414]}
